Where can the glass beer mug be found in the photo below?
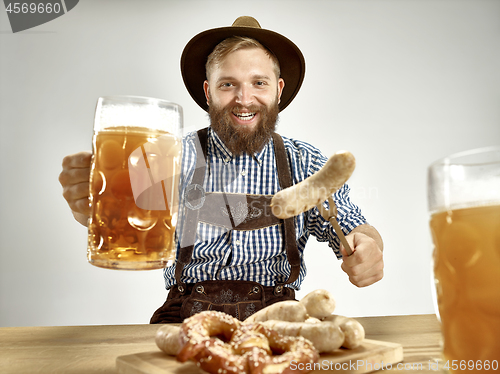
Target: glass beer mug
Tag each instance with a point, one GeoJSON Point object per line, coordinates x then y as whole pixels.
{"type": "Point", "coordinates": [134, 183]}
{"type": "Point", "coordinates": [464, 203]}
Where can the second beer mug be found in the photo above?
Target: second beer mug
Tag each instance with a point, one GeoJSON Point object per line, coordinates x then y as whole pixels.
{"type": "Point", "coordinates": [464, 202]}
{"type": "Point", "coordinates": [134, 183]}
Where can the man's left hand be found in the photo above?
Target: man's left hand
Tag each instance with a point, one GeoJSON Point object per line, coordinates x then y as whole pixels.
{"type": "Point", "coordinates": [366, 264]}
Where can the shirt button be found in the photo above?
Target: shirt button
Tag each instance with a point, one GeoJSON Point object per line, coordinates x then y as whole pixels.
{"type": "Point", "coordinates": [243, 172]}
{"type": "Point", "coordinates": [237, 242]}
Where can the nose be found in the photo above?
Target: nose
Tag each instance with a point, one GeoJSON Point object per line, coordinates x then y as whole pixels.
{"type": "Point", "coordinates": [244, 96]}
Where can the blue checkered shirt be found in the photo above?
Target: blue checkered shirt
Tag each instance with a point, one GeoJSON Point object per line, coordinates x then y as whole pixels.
{"type": "Point", "coordinates": [257, 255]}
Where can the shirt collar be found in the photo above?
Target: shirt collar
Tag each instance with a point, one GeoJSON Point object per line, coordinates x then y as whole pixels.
{"type": "Point", "coordinates": [220, 148]}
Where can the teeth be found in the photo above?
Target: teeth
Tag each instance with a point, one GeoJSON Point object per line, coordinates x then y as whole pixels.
{"type": "Point", "coordinates": [245, 116]}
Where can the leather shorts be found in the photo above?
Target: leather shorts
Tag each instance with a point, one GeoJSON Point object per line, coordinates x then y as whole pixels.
{"type": "Point", "coordinates": [239, 299]}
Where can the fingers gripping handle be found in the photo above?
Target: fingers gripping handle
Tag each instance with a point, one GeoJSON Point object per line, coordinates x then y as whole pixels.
{"type": "Point", "coordinates": [331, 216]}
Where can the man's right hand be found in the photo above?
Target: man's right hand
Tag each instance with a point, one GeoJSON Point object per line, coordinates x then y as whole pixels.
{"type": "Point", "coordinates": [75, 179]}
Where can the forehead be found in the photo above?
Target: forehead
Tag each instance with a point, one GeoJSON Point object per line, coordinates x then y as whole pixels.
{"type": "Point", "coordinates": [246, 61]}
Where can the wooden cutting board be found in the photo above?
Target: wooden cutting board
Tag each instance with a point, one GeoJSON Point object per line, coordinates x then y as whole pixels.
{"type": "Point", "coordinates": [372, 355]}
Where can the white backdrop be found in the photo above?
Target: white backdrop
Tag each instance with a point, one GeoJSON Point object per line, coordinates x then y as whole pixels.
{"type": "Point", "coordinates": [398, 83]}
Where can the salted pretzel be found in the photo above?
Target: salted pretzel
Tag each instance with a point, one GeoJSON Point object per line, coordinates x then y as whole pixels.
{"type": "Point", "coordinates": [273, 351]}
{"type": "Point", "coordinates": [207, 334]}
{"type": "Point", "coordinates": [219, 343]}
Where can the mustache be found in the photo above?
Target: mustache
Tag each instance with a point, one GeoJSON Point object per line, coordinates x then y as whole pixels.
{"type": "Point", "coordinates": [250, 108]}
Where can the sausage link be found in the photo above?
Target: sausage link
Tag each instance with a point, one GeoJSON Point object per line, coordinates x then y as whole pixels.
{"type": "Point", "coordinates": [353, 330]}
{"type": "Point", "coordinates": [314, 189]}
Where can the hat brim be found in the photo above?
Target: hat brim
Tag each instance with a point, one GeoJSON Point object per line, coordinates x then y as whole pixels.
{"type": "Point", "coordinates": [196, 52]}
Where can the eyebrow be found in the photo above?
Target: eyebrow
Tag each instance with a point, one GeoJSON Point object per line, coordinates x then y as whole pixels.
{"type": "Point", "coordinates": [254, 77]}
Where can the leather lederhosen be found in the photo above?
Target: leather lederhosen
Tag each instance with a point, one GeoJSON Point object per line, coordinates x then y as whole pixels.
{"type": "Point", "coordinates": [234, 212]}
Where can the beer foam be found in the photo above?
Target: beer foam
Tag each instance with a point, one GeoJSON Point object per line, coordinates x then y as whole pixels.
{"type": "Point", "coordinates": [167, 117]}
{"type": "Point", "coordinates": [465, 180]}
{"type": "Point", "coordinates": [466, 194]}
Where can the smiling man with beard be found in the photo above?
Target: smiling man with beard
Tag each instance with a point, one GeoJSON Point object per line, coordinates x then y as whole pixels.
{"type": "Point", "coordinates": [243, 94]}
{"type": "Point", "coordinates": [233, 255]}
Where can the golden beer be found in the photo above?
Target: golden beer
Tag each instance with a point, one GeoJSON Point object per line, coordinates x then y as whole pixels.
{"type": "Point", "coordinates": [464, 204]}
{"type": "Point", "coordinates": [134, 193]}
{"type": "Point", "coordinates": [467, 277]}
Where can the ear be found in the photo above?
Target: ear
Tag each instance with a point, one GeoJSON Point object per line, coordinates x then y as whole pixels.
{"type": "Point", "coordinates": [207, 94]}
{"type": "Point", "coordinates": [281, 85]}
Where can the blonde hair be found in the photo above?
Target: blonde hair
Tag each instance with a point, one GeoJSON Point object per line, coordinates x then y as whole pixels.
{"type": "Point", "coordinates": [233, 44]}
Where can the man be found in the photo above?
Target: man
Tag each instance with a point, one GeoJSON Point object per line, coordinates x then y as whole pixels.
{"type": "Point", "coordinates": [243, 76]}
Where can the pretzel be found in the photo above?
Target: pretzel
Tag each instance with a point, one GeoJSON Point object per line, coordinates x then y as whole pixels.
{"type": "Point", "coordinates": [205, 335]}
{"type": "Point", "coordinates": [220, 344]}
{"type": "Point", "coordinates": [315, 189]}
{"type": "Point", "coordinates": [271, 351]}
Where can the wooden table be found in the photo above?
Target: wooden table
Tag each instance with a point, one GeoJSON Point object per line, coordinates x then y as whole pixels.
{"type": "Point", "coordinates": [94, 349]}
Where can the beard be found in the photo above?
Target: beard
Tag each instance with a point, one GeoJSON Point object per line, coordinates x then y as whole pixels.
{"type": "Point", "coordinates": [237, 138]}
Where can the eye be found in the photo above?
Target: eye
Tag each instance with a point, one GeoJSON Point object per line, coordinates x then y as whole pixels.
{"type": "Point", "coordinates": [260, 83]}
{"type": "Point", "coordinates": [226, 85]}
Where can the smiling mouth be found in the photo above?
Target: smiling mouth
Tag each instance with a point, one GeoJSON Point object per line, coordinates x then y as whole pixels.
{"type": "Point", "coordinates": [245, 116]}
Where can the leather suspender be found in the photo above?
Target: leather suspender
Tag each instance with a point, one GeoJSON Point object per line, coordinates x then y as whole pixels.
{"type": "Point", "coordinates": [285, 180]}
{"type": "Point", "coordinates": [195, 198]}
